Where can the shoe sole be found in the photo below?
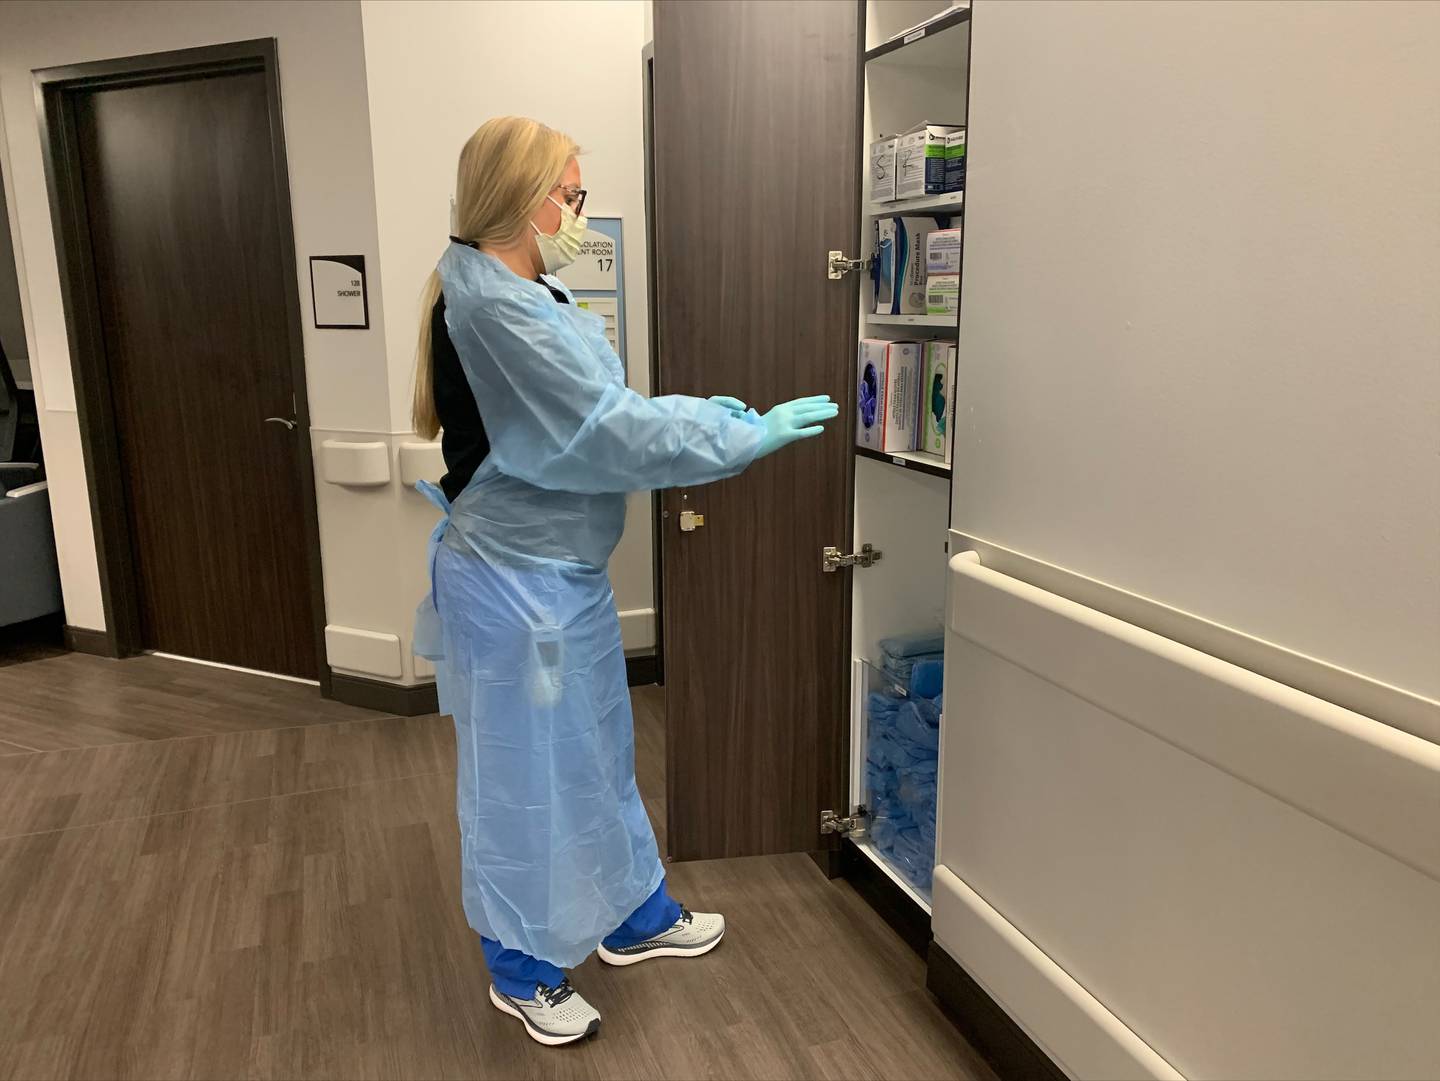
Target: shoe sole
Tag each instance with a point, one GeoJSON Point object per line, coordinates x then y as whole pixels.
{"type": "Point", "coordinates": [620, 960]}
{"type": "Point", "coordinates": [547, 1038]}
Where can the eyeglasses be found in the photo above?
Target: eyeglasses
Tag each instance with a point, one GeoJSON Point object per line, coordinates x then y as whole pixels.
{"type": "Point", "coordinates": [574, 197]}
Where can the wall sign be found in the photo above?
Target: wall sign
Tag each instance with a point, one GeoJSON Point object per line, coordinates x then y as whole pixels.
{"type": "Point", "coordinates": [597, 278]}
{"type": "Point", "coordinates": [337, 292]}
{"type": "Point", "coordinates": [596, 268]}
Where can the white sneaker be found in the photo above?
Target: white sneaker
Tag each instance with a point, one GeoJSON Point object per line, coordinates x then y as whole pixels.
{"type": "Point", "coordinates": [693, 934]}
{"type": "Point", "coordinates": [554, 1016]}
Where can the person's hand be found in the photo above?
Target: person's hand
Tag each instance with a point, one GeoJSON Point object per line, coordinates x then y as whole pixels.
{"type": "Point", "coordinates": [789, 422]}
{"type": "Point", "coordinates": [735, 405]}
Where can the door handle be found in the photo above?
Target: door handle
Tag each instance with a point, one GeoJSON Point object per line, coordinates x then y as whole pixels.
{"type": "Point", "coordinates": [289, 423]}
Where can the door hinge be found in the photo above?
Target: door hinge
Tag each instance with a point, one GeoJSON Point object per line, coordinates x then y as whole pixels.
{"type": "Point", "coordinates": [830, 822]}
{"type": "Point", "coordinates": [831, 560]}
{"type": "Point", "coordinates": [837, 265]}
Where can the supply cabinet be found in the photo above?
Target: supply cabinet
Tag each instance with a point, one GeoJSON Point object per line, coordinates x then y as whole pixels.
{"type": "Point", "coordinates": [764, 264]}
{"type": "Point", "coordinates": [901, 499]}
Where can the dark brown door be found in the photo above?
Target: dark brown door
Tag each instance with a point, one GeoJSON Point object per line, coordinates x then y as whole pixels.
{"type": "Point", "coordinates": [756, 158]}
{"type": "Point", "coordinates": [179, 184]}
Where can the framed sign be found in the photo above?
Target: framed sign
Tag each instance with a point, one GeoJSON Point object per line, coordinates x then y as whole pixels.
{"type": "Point", "coordinates": [337, 292]}
{"type": "Point", "coordinates": [595, 269]}
{"type": "Point", "coordinates": [597, 278]}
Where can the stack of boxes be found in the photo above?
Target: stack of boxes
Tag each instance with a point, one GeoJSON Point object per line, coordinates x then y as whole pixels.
{"type": "Point", "coordinates": [902, 760]}
{"type": "Point", "coordinates": [901, 271]}
{"type": "Point", "coordinates": [942, 272]}
{"type": "Point", "coordinates": [929, 159]}
{"type": "Point", "coordinates": [906, 397]}
{"type": "Point", "coordinates": [906, 389]}
{"type": "Point", "coordinates": [917, 266]}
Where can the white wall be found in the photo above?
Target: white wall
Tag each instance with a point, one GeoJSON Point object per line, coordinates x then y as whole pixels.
{"type": "Point", "coordinates": [1200, 340]}
{"type": "Point", "coordinates": [322, 75]}
{"type": "Point", "coordinates": [1151, 856]}
{"type": "Point", "coordinates": [372, 538]}
{"type": "Point", "coordinates": [437, 71]}
{"type": "Point", "coordinates": [1200, 361]}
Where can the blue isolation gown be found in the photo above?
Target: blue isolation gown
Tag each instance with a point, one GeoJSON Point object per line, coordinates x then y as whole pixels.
{"type": "Point", "coordinates": [556, 848]}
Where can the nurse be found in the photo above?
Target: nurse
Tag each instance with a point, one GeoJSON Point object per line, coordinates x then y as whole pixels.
{"type": "Point", "coordinates": [542, 441]}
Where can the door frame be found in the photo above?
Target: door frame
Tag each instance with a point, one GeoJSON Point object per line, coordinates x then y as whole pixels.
{"type": "Point", "coordinates": [657, 508]}
{"type": "Point", "coordinates": [56, 90]}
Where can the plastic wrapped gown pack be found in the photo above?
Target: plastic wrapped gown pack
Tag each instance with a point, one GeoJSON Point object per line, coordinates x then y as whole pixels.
{"type": "Point", "coordinates": [556, 848]}
{"type": "Point", "coordinates": [915, 860]}
{"type": "Point", "coordinates": [902, 669]}
{"type": "Point", "coordinates": [901, 653]}
{"type": "Point", "coordinates": [913, 645]}
{"type": "Point", "coordinates": [918, 722]}
{"type": "Point", "coordinates": [927, 677]}
{"type": "Point", "coordinates": [902, 759]}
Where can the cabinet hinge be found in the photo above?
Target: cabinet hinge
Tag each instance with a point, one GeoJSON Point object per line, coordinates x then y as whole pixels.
{"type": "Point", "coordinates": [830, 822]}
{"type": "Point", "coordinates": [837, 265]}
{"type": "Point", "coordinates": [831, 560]}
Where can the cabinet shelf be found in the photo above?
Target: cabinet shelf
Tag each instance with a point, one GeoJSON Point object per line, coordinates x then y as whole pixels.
{"type": "Point", "coordinates": [952, 202]}
{"type": "Point", "coordinates": [914, 460]}
{"type": "Point", "coordinates": [946, 321]}
{"type": "Point", "coordinates": [912, 48]}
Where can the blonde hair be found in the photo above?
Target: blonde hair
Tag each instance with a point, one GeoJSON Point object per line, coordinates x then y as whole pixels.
{"type": "Point", "coordinates": [506, 169]}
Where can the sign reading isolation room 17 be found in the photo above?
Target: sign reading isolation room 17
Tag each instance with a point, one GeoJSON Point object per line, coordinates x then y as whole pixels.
{"type": "Point", "coordinates": [337, 292]}
{"type": "Point", "coordinates": [594, 267]}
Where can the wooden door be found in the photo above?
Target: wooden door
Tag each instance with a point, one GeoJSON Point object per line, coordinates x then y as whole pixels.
{"type": "Point", "coordinates": [756, 161]}
{"type": "Point", "coordinates": [189, 271]}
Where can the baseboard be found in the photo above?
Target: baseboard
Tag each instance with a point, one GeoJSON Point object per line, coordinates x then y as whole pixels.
{"type": "Point", "coordinates": [414, 701]}
{"type": "Point", "coordinates": [831, 862]}
{"type": "Point", "coordinates": [1004, 1045]}
{"type": "Point", "coordinates": [989, 1029]}
{"type": "Point", "coordinates": [642, 669]}
{"type": "Point", "coordinates": [85, 640]}
{"type": "Point", "coordinates": [890, 902]}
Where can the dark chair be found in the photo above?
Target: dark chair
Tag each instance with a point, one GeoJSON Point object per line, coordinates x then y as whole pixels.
{"type": "Point", "coordinates": [19, 426]}
{"type": "Point", "coordinates": [29, 572]}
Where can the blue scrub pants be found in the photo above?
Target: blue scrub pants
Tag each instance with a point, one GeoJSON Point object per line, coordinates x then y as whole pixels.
{"type": "Point", "coordinates": [516, 974]}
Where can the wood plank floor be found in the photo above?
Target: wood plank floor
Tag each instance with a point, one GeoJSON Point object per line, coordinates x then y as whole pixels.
{"type": "Point", "coordinates": [209, 875]}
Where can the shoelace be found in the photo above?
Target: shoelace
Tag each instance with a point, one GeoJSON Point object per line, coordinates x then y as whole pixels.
{"type": "Point", "coordinates": [556, 995]}
{"type": "Point", "coordinates": [686, 916]}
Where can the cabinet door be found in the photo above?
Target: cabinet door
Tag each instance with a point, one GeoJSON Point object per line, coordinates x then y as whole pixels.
{"type": "Point", "coordinates": [757, 162]}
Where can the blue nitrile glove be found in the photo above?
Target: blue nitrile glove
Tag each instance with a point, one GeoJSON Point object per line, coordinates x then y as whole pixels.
{"type": "Point", "coordinates": [792, 421]}
{"type": "Point", "coordinates": [735, 405]}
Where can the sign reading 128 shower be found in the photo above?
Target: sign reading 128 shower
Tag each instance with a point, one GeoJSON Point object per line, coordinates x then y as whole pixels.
{"type": "Point", "coordinates": [337, 292]}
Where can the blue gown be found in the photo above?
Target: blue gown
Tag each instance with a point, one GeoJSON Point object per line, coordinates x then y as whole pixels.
{"type": "Point", "coordinates": [556, 848]}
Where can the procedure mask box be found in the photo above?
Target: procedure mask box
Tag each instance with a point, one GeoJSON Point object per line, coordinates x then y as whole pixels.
{"type": "Point", "coordinates": [920, 158]}
{"type": "Point", "coordinates": [955, 161]}
{"type": "Point", "coordinates": [882, 170]}
{"type": "Point", "coordinates": [937, 400]}
{"type": "Point", "coordinates": [942, 251]}
{"type": "Point", "coordinates": [888, 396]}
{"type": "Point", "coordinates": [942, 294]}
{"type": "Point", "coordinates": [899, 271]}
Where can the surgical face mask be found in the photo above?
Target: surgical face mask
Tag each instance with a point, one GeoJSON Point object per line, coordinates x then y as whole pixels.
{"type": "Point", "coordinates": [560, 249]}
